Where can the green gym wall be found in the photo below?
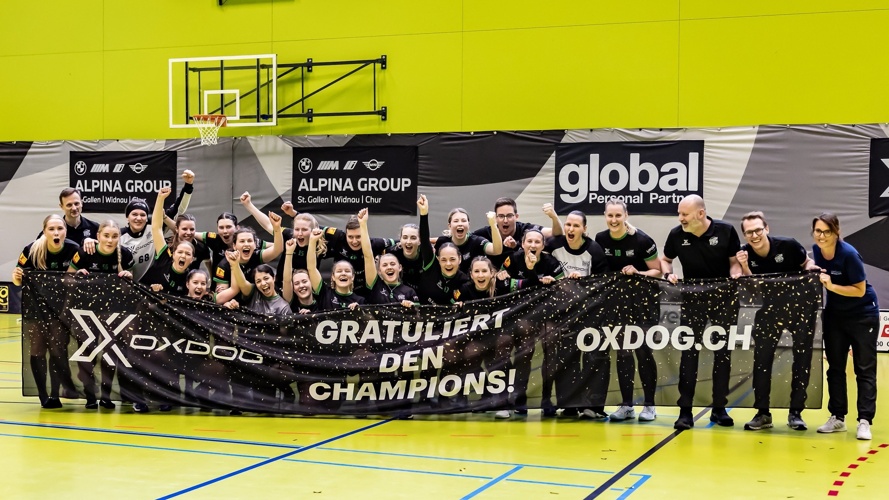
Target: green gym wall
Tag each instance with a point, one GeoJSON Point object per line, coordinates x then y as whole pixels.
{"type": "Point", "coordinates": [97, 69]}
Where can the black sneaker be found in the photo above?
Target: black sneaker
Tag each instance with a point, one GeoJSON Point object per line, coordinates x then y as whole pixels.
{"type": "Point", "coordinates": [721, 418]}
{"type": "Point", "coordinates": [685, 421]}
{"type": "Point", "coordinates": [521, 410]}
{"type": "Point", "coordinates": [51, 403]}
{"type": "Point", "coordinates": [165, 408]}
{"type": "Point", "coordinates": [140, 408]}
{"type": "Point", "coordinates": [570, 412]}
{"type": "Point", "coordinates": [107, 404]}
{"type": "Point", "coordinates": [91, 404]}
{"type": "Point", "coordinates": [549, 412]}
{"type": "Point", "coordinates": [795, 421]}
{"type": "Point", "coordinates": [760, 421]}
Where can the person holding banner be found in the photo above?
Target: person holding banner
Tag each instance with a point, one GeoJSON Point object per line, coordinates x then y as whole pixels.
{"type": "Point", "coordinates": [414, 250]}
{"type": "Point", "coordinates": [109, 257]}
{"type": "Point", "coordinates": [707, 248]}
{"type": "Point", "coordinates": [512, 230]}
{"type": "Point", "coordinates": [170, 264]}
{"type": "Point", "coordinates": [50, 252]}
{"type": "Point", "coordinates": [764, 253]}
{"type": "Point", "coordinates": [851, 319]}
{"type": "Point", "coordinates": [468, 244]}
{"type": "Point", "coordinates": [633, 253]}
{"type": "Point", "coordinates": [345, 246]}
{"type": "Point", "coordinates": [388, 289]}
{"type": "Point", "coordinates": [523, 264]}
{"type": "Point", "coordinates": [578, 256]}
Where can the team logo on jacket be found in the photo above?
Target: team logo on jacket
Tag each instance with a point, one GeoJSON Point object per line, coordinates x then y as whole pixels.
{"type": "Point", "coordinates": [714, 241]}
{"type": "Point", "coordinates": [779, 258]}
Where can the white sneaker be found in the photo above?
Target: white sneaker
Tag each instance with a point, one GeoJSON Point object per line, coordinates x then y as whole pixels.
{"type": "Point", "coordinates": [864, 430]}
{"type": "Point", "coordinates": [594, 414]}
{"type": "Point", "coordinates": [623, 413]}
{"type": "Point", "coordinates": [833, 424]}
{"type": "Point", "coordinates": [502, 414]}
{"type": "Point", "coordinates": [648, 414]}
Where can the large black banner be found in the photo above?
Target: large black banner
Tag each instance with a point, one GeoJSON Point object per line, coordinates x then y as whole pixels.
{"type": "Point", "coordinates": [345, 180]}
{"type": "Point", "coordinates": [878, 178]}
{"type": "Point", "coordinates": [650, 177]}
{"type": "Point", "coordinates": [108, 180]}
{"type": "Point", "coordinates": [537, 347]}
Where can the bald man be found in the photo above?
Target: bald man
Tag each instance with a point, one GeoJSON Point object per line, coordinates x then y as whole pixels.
{"type": "Point", "coordinates": [707, 248]}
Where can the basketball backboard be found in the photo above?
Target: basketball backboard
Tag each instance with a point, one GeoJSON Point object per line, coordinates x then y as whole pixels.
{"type": "Point", "coordinates": [243, 88]}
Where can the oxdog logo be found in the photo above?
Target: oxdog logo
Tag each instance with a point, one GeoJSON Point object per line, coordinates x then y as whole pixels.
{"type": "Point", "coordinates": [88, 321]}
{"type": "Point", "coordinates": [80, 168]}
{"type": "Point", "coordinates": [304, 165]}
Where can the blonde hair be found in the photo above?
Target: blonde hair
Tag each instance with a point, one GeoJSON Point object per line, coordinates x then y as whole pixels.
{"type": "Point", "coordinates": [492, 284]}
{"type": "Point", "coordinates": [111, 223]}
{"type": "Point", "coordinates": [40, 247]}
{"type": "Point", "coordinates": [321, 247]}
{"type": "Point", "coordinates": [333, 279]}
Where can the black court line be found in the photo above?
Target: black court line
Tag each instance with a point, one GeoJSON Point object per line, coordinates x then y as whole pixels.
{"type": "Point", "coordinates": [641, 458]}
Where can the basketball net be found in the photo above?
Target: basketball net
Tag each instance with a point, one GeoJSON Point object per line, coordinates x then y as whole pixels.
{"type": "Point", "coordinates": [208, 126]}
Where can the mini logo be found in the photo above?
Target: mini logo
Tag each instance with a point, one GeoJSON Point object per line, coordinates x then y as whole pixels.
{"type": "Point", "coordinates": [304, 165]}
{"type": "Point", "coordinates": [89, 321]}
{"type": "Point", "coordinates": [714, 241]}
{"type": "Point", "coordinates": [80, 168]}
{"type": "Point", "coordinates": [373, 164]}
{"type": "Point", "coordinates": [137, 167]}
{"type": "Point", "coordinates": [350, 165]}
{"type": "Point", "coordinates": [329, 165]}
{"type": "Point", "coordinates": [779, 258]}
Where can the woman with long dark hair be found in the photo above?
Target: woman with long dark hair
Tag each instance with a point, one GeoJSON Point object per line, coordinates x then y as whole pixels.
{"type": "Point", "coordinates": [851, 320]}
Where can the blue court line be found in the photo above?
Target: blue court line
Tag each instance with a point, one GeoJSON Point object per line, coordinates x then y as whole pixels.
{"type": "Point", "coordinates": [486, 462]}
{"type": "Point", "coordinates": [271, 460]}
{"type": "Point", "coordinates": [632, 489]}
{"type": "Point", "coordinates": [146, 434]}
{"type": "Point", "coordinates": [387, 469]}
{"type": "Point", "coordinates": [494, 481]}
{"type": "Point", "coordinates": [548, 483]}
{"type": "Point", "coordinates": [138, 446]}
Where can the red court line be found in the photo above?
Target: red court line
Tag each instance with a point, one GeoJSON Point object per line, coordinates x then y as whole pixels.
{"type": "Point", "coordinates": [833, 493]}
{"type": "Point", "coordinates": [837, 483]}
{"type": "Point", "coordinates": [472, 435]}
{"type": "Point", "coordinates": [845, 474]}
{"type": "Point", "coordinates": [871, 452]}
{"type": "Point", "coordinates": [213, 430]}
{"type": "Point", "coordinates": [853, 466]}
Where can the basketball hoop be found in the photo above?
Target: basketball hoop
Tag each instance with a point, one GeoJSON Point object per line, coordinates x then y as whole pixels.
{"type": "Point", "coordinates": [208, 126]}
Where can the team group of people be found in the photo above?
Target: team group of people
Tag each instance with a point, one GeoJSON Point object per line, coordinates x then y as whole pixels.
{"type": "Point", "coordinates": [505, 255]}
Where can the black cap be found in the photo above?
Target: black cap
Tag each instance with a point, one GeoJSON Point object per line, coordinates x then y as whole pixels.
{"type": "Point", "coordinates": [136, 204]}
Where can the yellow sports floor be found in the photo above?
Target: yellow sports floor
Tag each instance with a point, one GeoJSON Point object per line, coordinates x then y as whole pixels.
{"type": "Point", "coordinates": [77, 453]}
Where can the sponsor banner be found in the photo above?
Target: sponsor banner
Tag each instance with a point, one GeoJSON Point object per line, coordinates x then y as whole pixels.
{"type": "Point", "coordinates": [650, 177]}
{"type": "Point", "coordinates": [487, 354]}
{"type": "Point", "coordinates": [5, 297]}
{"type": "Point", "coordinates": [109, 180]}
{"type": "Point", "coordinates": [883, 337]}
{"type": "Point", "coordinates": [878, 178]}
{"type": "Point", "coordinates": [345, 180]}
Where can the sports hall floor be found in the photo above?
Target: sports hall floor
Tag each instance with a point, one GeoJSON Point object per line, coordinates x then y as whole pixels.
{"type": "Point", "coordinates": [76, 453]}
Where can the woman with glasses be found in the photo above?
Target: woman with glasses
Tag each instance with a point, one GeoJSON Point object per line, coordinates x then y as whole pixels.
{"type": "Point", "coordinates": [850, 320]}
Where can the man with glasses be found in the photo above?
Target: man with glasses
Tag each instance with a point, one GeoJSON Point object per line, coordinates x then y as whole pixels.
{"type": "Point", "coordinates": [512, 231]}
{"type": "Point", "coordinates": [775, 254]}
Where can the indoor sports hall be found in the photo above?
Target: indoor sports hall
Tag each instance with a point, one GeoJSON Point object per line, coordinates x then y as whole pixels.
{"type": "Point", "coordinates": [260, 112]}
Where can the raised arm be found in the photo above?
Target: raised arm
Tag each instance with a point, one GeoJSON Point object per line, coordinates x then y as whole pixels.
{"type": "Point", "coordinates": [261, 218]}
{"type": "Point", "coordinates": [370, 269]}
{"type": "Point", "coordinates": [312, 260]}
{"type": "Point", "coordinates": [270, 254]}
{"type": "Point", "coordinates": [427, 252]}
{"type": "Point", "coordinates": [287, 284]}
{"type": "Point", "coordinates": [555, 228]}
{"type": "Point", "coordinates": [157, 221]}
{"type": "Point", "coordinates": [238, 278]}
{"type": "Point", "coordinates": [497, 241]}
